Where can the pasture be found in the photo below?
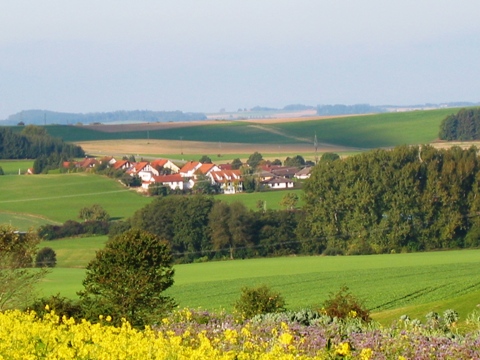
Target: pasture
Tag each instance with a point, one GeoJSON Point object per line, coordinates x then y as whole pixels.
{"type": "Point", "coordinates": [59, 197]}
{"type": "Point", "coordinates": [391, 285]}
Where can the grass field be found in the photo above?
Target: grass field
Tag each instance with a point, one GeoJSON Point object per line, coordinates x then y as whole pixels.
{"type": "Point", "coordinates": [57, 198]}
{"type": "Point", "coordinates": [11, 167]}
{"type": "Point", "coordinates": [32, 201]}
{"type": "Point", "coordinates": [391, 284]}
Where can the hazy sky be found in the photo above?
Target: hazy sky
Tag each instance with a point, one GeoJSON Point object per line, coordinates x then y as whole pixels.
{"type": "Point", "coordinates": [203, 55]}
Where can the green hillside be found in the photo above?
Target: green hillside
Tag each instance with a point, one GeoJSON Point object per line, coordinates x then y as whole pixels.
{"type": "Point", "coordinates": [366, 131]}
{"type": "Point", "coordinates": [59, 197]}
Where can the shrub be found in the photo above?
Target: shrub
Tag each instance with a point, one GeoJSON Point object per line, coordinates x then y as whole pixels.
{"type": "Point", "coordinates": [46, 257]}
{"type": "Point", "coordinates": [332, 251]}
{"type": "Point", "coordinates": [61, 305]}
{"type": "Point", "coordinates": [344, 305]}
{"type": "Point", "coordinates": [258, 300]}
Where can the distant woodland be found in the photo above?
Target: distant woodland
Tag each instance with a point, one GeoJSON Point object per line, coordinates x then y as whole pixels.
{"type": "Point", "coordinates": [34, 142]}
{"type": "Point", "coordinates": [43, 117]}
{"type": "Point", "coordinates": [462, 126]}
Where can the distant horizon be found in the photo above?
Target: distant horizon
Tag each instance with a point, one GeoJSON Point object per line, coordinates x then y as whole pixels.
{"type": "Point", "coordinates": [89, 56]}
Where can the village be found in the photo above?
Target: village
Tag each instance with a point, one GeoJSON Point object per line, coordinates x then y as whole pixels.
{"type": "Point", "coordinates": [184, 176]}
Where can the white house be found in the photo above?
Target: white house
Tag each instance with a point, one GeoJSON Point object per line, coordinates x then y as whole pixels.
{"type": "Point", "coordinates": [279, 183]}
{"type": "Point", "coordinates": [230, 181]}
{"type": "Point", "coordinates": [174, 181]}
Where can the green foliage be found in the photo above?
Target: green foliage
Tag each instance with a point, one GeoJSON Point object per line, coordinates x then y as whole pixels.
{"type": "Point", "coordinates": [61, 305]}
{"type": "Point", "coordinates": [254, 160]}
{"type": "Point", "coordinates": [127, 279]}
{"type": "Point", "coordinates": [405, 199]}
{"type": "Point", "coordinates": [205, 160]}
{"type": "Point", "coordinates": [289, 201]}
{"type": "Point", "coordinates": [296, 161]}
{"type": "Point", "coordinates": [94, 213]}
{"type": "Point", "coordinates": [344, 305]}
{"type": "Point", "coordinates": [462, 126]}
{"type": "Point", "coordinates": [329, 156]}
{"type": "Point", "coordinates": [1, 171]}
{"type": "Point", "coordinates": [16, 253]}
{"type": "Point", "coordinates": [258, 300]}
{"type": "Point", "coordinates": [236, 164]}
{"type": "Point", "coordinates": [46, 257]}
{"type": "Point", "coordinates": [33, 142]}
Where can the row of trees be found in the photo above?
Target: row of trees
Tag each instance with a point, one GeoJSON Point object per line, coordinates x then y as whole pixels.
{"type": "Point", "coordinates": [462, 126]}
{"type": "Point", "coordinates": [33, 142]}
{"type": "Point", "coordinates": [199, 227]}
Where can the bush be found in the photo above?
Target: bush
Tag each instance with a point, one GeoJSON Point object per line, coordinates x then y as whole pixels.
{"type": "Point", "coordinates": [258, 300]}
{"type": "Point", "coordinates": [332, 251]}
{"type": "Point", "coordinates": [46, 257]}
{"type": "Point", "coordinates": [344, 305]}
{"type": "Point", "coordinates": [61, 305]}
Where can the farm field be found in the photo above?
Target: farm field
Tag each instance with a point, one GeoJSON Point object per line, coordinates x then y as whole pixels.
{"type": "Point", "coordinates": [391, 285]}
{"type": "Point", "coordinates": [363, 132]}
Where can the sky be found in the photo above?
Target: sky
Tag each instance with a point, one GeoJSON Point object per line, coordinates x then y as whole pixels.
{"type": "Point", "coordinates": [190, 55]}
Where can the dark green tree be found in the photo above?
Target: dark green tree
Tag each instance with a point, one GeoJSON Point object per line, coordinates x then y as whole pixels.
{"type": "Point", "coordinates": [258, 300]}
{"type": "Point", "coordinates": [236, 164]}
{"type": "Point", "coordinates": [127, 279]}
{"type": "Point", "coordinates": [329, 156]}
{"type": "Point", "coordinates": [254, 160]}
{"type": "Point", "coordinates": [46, 257]}
{"type": "Point", "coordinates": [296, 161]}
{"type": "Point", "coordinates": [1, 171]}
{"type": "Point", "coordinates": [205, 160]}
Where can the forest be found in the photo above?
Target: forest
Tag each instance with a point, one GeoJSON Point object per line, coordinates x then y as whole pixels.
{"type": "Point", "coordinates": [462, 126]}
{"type": "Point", "coordinates": [33, 142]}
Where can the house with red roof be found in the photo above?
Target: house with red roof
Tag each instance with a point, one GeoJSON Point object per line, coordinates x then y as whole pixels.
{"type": "Point", "coordinates": [174, 181]}
{"type": "Point", "coordinates": [229, 181]}
{"type": "Point", "coordinates": [188, 170]}
{"type": "Point", "coordinates": [165, 163]}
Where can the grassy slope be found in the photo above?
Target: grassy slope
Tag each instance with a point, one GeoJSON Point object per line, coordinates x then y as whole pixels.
{"type": "Point", "coordinates": [370, 131]}
{"type": "Point", "coordinates": [58, 198]}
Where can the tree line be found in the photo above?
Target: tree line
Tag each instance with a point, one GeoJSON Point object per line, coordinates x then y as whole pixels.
{"type": "Point", "coordinates": [34, 142]}
{"type": "Point", "coordinates": [462, 126]}
{"type": "Point", "coordinates": [406, 199]}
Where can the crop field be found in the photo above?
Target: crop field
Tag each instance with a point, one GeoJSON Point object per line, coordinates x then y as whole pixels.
{"type": "Point", "coordinates": [390, 284]}
{"type": "Point", "coordinates": [362, 132]}
{"type": "Point", "coordinates": [57, 198]}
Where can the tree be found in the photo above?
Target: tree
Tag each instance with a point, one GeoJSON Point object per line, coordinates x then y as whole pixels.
{"type": "Point", "coordinates": [329, 156]}
{"type": "Point", "coordinates": [1, 171]}
{"type": "Point", "coordinates": [236, 164]}
{"type": "Point", "coordinates": [46, 257]}
{"type": "Point", "coordinates": [94, 213]}
{"type": "Point", "coordinates": [203, 185]}
{"type": "Point", "coordinates": [16, 254]}
{"type": "Point", "coordinates": [205, 160]}
{"type": "Point", "coordinates": [296, 161]}
{"type": "Point", "coordinates": [289, 201]}
{"type": "Point", "coordinates": [254, 160]}
{"type": "Point", "coordinates": [258, 300]}
{"type": "Point", "coordinates": [127, 278]}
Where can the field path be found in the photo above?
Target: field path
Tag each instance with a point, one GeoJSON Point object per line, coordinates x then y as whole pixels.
{"type": "Point", "coordinates": [281, 133]}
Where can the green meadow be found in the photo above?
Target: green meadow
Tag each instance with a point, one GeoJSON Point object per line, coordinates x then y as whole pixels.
{"type": "Point", "coordinates": [391, 285]}
{"type": "Point", "coordinates": [59, 197]}
{"type": "Point", "coordinates": [11, 167]}
{"type": "Point", "coordinates": [365, 132]}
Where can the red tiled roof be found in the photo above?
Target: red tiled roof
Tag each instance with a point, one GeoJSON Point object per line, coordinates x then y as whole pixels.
{"type": "Point", "coordinates": [205, 168]}
{"type": "Point", "coordinates": [189, 166]}
{"type": "Point", "coordinates": [121, 163]}
{"type": "Point", "coordinates": [159, 162]}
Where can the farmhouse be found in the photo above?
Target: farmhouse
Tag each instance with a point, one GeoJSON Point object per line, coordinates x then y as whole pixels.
{"type": "Point", "coordinates": [229, 181]}
{"type": "Point", "coordinates": [122, 165]}
{"type": "Point", "coordinates": [304, 173]}
{"type": "Point", "coordinates": [166, 164]}
{"type": "Point", "coordinates": [144, 170]}
{"type": "Point", "coordinates": [188, 170]}
{"type": "Point", "coordinates": [279, 183]}
{"type": "Point", "coordinates": [174, 182]}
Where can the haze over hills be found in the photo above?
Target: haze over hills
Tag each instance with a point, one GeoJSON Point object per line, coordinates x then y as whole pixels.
{"type": "Point", "coordinates": [47, 117]}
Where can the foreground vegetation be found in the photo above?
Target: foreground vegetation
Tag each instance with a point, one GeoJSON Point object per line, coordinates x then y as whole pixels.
{"type": "Point", "coordinates": [200, 335]}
